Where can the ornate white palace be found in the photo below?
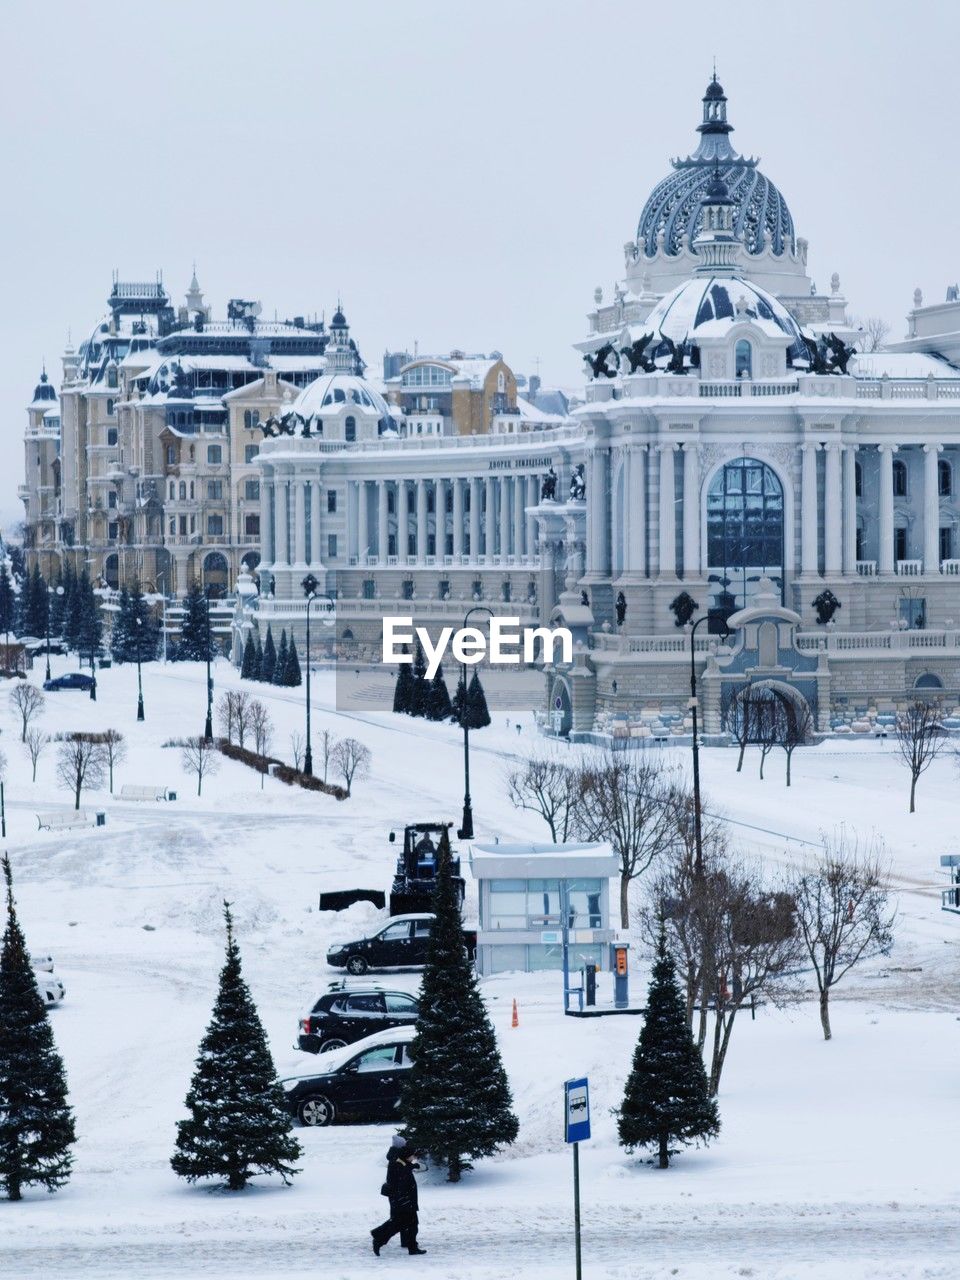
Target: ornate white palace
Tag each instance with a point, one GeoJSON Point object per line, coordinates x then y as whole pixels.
{"type": "Point", "coordinates": [736, 457]}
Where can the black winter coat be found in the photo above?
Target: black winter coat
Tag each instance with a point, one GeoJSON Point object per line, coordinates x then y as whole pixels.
{"type": "Point", "coordinates": [401, 1184]}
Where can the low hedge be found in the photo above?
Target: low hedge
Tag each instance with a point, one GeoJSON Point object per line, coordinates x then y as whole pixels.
{"type": "Point", "coordinates": [284, 772]}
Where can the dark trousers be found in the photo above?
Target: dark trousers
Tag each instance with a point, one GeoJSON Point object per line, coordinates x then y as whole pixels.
{"type": "Point", "coordinates": [403, 1220]}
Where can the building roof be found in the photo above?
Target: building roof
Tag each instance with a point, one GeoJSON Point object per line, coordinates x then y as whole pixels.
{"type": "Point", "coordinates": [706, 305]}
{"type": "Point", "coordinates": [535, 859]}
{"type": "Point", "coordinates": [901, 364]}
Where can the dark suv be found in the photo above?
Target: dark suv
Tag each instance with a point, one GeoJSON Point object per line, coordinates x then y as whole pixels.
{"type": "Point", "coordinates": [402, 942]}
{"type": "Point", "coordinates": [341, 1017]}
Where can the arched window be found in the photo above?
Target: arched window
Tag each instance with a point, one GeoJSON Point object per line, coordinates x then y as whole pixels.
{"type": "Point", "coordinates": [173, 491]}
{"type": "Point", "coordinates": [944, 478]}
{"type": "Point", "coordinates": [899, 479]}
{"type": "Point", "coordinates": [110, 411]}
{"type": "Point", "coordinates": [111, 378]}
{"type": "Point", "coordinates": [501, 382]}
{"type": "Point", "coordinates": [350, 429]}
{"type": "Point", "coordinates": [858, 479]}
{"type": "Point", "coordinates": [183, 490]}
{"type": "Point", "coordinates": [744, 531]}
{"type": "Point", "coordinates": [928, 681]}
{"type": "Point", "coordinates": [743, 356]}
{"type": "Point", "coordinates": [251, 418]}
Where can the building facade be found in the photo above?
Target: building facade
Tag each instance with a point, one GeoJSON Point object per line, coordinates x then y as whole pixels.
{"type": "Point", "coordinates": [734, 458]}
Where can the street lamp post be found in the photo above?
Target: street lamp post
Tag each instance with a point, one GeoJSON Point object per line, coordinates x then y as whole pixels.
{"type": "Point", "coordinates": [208, 726]}
{"type": "Point", "coordinates": [466, 827]}
{"type": "Point", "coordinates": [139, 634]}
{"type": "Point", "coordinates": [58, 591]}
{"type": "Point", "coordinates": [310, 585]}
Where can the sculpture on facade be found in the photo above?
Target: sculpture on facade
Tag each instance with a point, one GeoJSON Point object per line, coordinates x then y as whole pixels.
{"type": "Point", "coordinates": [578, 485]}
{"type": "Point", "coordinates": [828, 353]}
{"type": "Point", "coordinates": [683, 607]}
{"type": "Point", "coordinates": [604, 363]}
{"type": "Point", "coordinates": [633, 354]}
{"type": "Point", "coordinates": [826, 605]}
{"type": "Point", "coordinates": [548, 487]}
{"type": "Point", "coordinates": [270, 426]}
{"type": "Point", "coordinates": [621, 608]}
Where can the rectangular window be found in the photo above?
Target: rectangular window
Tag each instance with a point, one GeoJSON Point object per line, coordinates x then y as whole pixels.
{"type": "Point", "coordinates": [369, 589]}
{"type": "Point", "coordinates": [899, 544]}
{"type": "Point", "coordinates": [183, 526]}
{"type": "Point", "coordinates": [331, 500]}
{"type": "Point", "coordinates": [407, 588]}
{"type": "Point", "coordinates": [946, 543]}
{"type": "Point", "coordinates": [443, 588]}
{"type": "Point", "coordinates": [111, 435]}
{"type": "Point", "coordinates": [914, 614]}
{"type": "Point", "coordinates": [214, 454]}
{"type": "Point", "coordinates": [215, 525]}
{"type": "Point", "coordinates": [250, 452]}
{"type": "Point", "coordinates": [171, 455]}
{"type": "Point", "coordinates": [251, 490]}
{"type": "Point", "coordinates": [332, 546]}
{"type": "Point", "coordinates": [112, 499]}
{"type": "Point", "coordinates": [215, 490]}
{"type": "Point", "coordinates": [112, 531]}
{"type": "Point", "coordinates": [431, 544]}
{"type": "Point", "coordinates": [251, 526]}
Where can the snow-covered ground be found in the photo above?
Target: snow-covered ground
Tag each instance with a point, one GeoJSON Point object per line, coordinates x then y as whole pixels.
{"type": "Point", "coordinates": [835, 1160]}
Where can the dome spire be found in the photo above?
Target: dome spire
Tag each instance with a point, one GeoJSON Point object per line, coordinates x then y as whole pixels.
{"type": "Point", "coordinates": [714, 128]}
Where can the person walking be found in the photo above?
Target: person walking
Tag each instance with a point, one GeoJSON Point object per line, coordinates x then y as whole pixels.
{"type": "Point", "coordinates": [401, 1190]}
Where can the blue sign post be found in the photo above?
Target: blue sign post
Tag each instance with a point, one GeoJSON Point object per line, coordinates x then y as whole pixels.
{"type": "Point", "coordinates": [576, 1129]}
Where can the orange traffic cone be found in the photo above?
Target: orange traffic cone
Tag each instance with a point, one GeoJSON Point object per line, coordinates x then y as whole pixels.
{"type": "Point", "coordinates": [515, 1020]}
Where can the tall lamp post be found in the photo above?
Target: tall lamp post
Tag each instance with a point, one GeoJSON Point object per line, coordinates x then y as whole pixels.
{"type": "Point", "coordinates": [466, 827]}
{"type": "Point", "coordinates": [57, 591]}
{"type": "Point", "coordinates": [694, 707]}
{"type": "Point", "coordinates": [139, 634]}
{"type": "Point", "coordinates": [310, 585]}
{"type": "Point", "coordinates": [208, 725]}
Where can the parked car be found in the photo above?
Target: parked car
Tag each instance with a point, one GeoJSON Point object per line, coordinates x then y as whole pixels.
{"type": "Point", "coordinates": [342, 1016]}
{"type": "Point", "coordinates": [362, 1082]}
{"type": "Point", "coordinates": [72, 680]}
{"type": "Point", "coordinates": [51, 987]}
{"type": "Point", "coordinates": [401, 943]}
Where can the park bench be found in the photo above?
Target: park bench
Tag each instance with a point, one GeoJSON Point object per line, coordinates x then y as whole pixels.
{"type": "Point", "coordinates": [133, 792]}
{"type": "Point", "coordinates": [65, 820]}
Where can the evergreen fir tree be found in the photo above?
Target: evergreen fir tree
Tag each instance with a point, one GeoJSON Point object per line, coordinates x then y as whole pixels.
{"type": "Point", "coordinates": [403, 690]}
{"type": "Point", "coordinates": [36, 1124]}
{"type": "Point", "coordinates": [35, 617]}
{"type": "Point", "coordinates": [291, 672]}
{"type": "Point", "coordinates": [90, 627]}
{"type": "Point", "coordinates": [247, 671]}
{"type": "Point", "coordinates": [238, 1126]}
{"type": "Point", "coordinates": [194, 646]}
{"type": "Point", "coordinates": [56, 607]}
{"type": "Point", "coordinates": [419, 686]}
{"type": "Point", "coordinates": [144, 627]}
{"type": "Point", "coordinates": [71, 608]}
{"type": "Point", "coordinates": [120, 638]}
{"type": "Point", "coordinates": [24, 605]}
{"type": "Point", "coordinates": [667, 1096]}
{"type": "Point", "coordinates": [456, 1103]}
{"type": "Point", "coordinates": [268, 663]}
{"type": "Point", "coordinates": [8, 605]}
{"type": "Point", "coordinates": [457, 706]}
{"type": "Point", "coordinates": [257, 660]}
{"type": "Point", "coordinates": [280, 666]}
{"type": "Point", "coordinates": [476, 714]}
{"type": "Point", "coordinates": [438, 698]}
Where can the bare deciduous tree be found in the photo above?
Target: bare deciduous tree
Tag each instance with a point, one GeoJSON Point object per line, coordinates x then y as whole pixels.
{"type": "Point", "coordinates": [233, 711]}
{"type": "Point", "coordinates": [28, 702]}
{"type": "Point", "coordinates": [81, 762]}
{"type": "Point", "coordinates": [297, 749]}
{"type": "Point", "coordinates": [920, 739]}
{"type": "Point", "coordinates": [625, 799]}
{"type": "Point", "coordinates": [261, 726]}
{"type": "Point", "coordinates": [242, 711]}
{"type": "Point", "coordinates": [115, 748]}
{"type": "Point", "coordinates": [798, 729]}
{"type": "Point", "coordinates": [198, 756]}
{"type": "Point", "coordinates": [547, 785]}
{"type": "Point", "coordinates": [842, 912]}
{"type": "Point", "coordinates": [328, 742]}
{"type": "Point", "coordinates": [874, 331]}
{"type": "Point", "coordinates": [36, 743]}
{"type": "Point", "coordinates": [351, 759]}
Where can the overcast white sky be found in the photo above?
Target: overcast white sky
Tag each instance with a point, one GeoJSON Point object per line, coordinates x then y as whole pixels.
{"type": "Point", "coordinates": [462, 174]}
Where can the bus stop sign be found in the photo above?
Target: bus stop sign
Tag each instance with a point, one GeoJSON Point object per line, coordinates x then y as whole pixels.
{"type": "Point", "coordinates": [576, 1110]}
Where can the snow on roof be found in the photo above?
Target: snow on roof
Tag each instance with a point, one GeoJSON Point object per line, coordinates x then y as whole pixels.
{"type": "Point", "coordinates": [475, 370]}
{"type": "Point", "coordinates": [532, 413]}
{"type": "Point", "coordinates": [901, 364]}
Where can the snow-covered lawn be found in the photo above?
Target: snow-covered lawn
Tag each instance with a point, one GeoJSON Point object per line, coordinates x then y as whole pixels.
{"type": "Point", "coordinates": [834, 1160]}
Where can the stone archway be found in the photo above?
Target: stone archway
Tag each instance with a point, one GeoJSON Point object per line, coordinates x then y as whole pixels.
{"type": "Point", "coordinates": [561, 709]}
{"type": "Point", "coordinates": [215, 574]}
{"type": "Point", "coordinates": [739, 722]}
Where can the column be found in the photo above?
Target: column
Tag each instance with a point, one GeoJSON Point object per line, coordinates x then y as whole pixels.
{"type": "Point", "coordinates": [474, 519]}
{"type": "Point", "coordinates": [363, 521]}
{"type": "Point", "coordinates": [850, 510]}
{"type": "Point", "coordinates": [518, 484]}
{"type": "Point", "coordinates": [421, 520]}
{"type": "Point", "coordinates": [636, 507]}
{"type": "Point", "coordinates": [668, 516]}
{"type": "Point", "coordinates": [440, 517]}
{"type": "Point", "coordinates": [931, 509]}
{"type": "Point", "coordinates": [691, 509]}
{"type": "Point", "coordinates": [504, 516]}
{"type": "Point", "coordinates": [886, 507]}
{"type": "Point", "coordinates": [601, 502]}
{"type": "Point", "coordinates": [383, 528]}
{"type": "Point", "coordinates": [403, 521]}
{"type": "Point", "coordinates": [282, 530]}
{"type": "Point", "coordinates": [533, 499]}
{"type": "Point", "coordinates": [809, 560]}
{"type": "Point", "coordinates": [832, 513]}
{"type": "Point", "coordinates": [267, 537]}
{"type": "Point", "coordinates": [489, 520]}
{"type": "Point", "coordinates": [316, 556]}
{"type": "Point", "coordinates": [299, 523]}
{"type": "Point", "coordinates": [458, 529]}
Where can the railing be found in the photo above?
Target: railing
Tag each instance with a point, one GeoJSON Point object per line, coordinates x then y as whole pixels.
{"type": "Point", "coordinates": [950, 567]}
{"type": "Point", "coordinates": [656, 645]}
{"type": "Point", "coordinates": [836, 642]}
{"type": "Point", "coordinates": [909, 568]}
{"type": "Point", "coordinates": [744, 388]}
{"type": "Point", "coordinates": [867, 568]}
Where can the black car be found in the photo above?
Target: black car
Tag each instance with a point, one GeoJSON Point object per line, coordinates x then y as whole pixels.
{"type": "Point", "coordinates": [72, 680]}
{"type": "Point", "coordinates": [362, 1083]}
{"type": "Point", "coordinates": [402, 942]}
{"type": "Point", "coordinates": [342, 1017]}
